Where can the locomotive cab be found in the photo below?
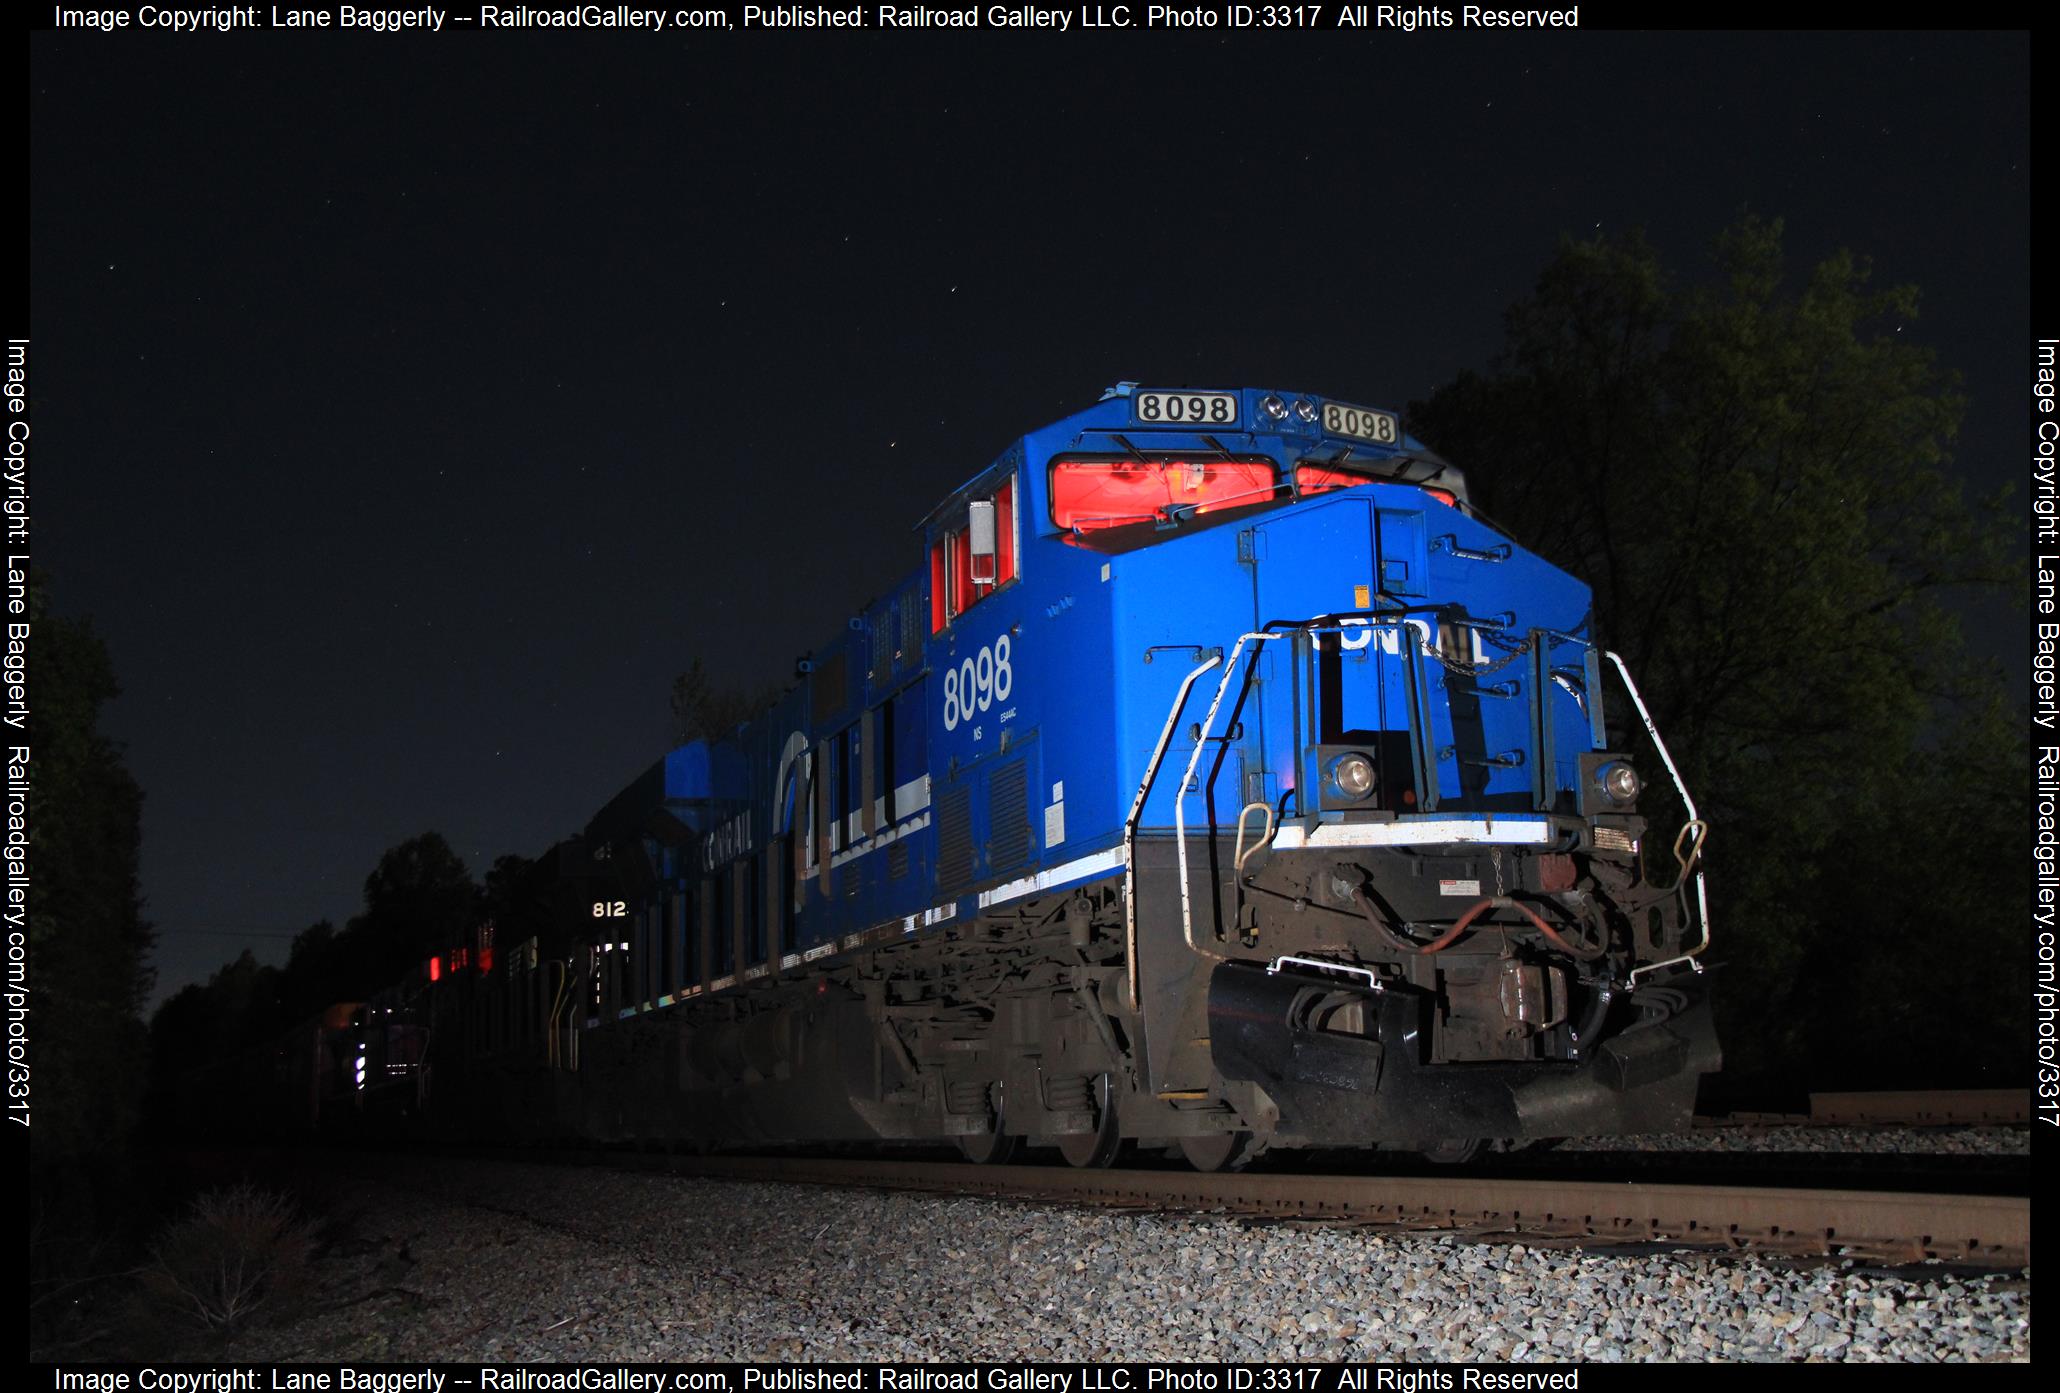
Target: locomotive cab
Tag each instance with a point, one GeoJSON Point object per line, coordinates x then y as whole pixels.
{"type": "Point", "coordinates": [1388, 829]}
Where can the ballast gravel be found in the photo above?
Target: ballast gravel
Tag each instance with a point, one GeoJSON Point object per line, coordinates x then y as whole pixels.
{"type": "Point", "coordinates": [494, 1262]}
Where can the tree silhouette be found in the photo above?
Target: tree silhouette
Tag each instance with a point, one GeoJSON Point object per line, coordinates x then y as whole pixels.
{"type": "Point", "coordinates": [88, 941]}
{"type": "Point", "coordinates": [703, 709]}
{"type": "Point", "coordinates": [87, 972]}
{"type": "Point", "coordinates": [419, 901]}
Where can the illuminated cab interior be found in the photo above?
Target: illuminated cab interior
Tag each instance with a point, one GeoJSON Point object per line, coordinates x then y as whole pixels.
{"type": "Point", "coordinates": [970, 562]}
{"type": "Point", "coordinates": [1117, 502]}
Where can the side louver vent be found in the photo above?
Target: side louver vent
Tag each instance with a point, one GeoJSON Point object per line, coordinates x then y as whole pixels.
{"type": "Point", "coordinates": [911, 632]}
{"type": "Point", "coordinates": [955, 839]}
{"type": "Point", "coordinates": [1008, 817]}
{"type": "Point", "coordinates": [885, 631]}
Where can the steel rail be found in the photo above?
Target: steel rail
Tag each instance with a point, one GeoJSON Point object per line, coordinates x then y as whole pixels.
{"type": "Point", "coordinates": [1986, 1230]}
{"type": "Point", "coordinates": [1923, 1108]}
{"type": "Point", "coordinates": [1895, 1108]}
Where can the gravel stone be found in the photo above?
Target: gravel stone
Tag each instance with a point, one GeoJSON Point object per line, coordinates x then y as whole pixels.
{"type": "Point", "coordinates": [502, 1262]}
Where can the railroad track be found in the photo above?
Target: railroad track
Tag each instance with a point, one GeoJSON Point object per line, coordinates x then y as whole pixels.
{"type": "Point", "coordinates": [1897, 1108]}
{"type": "Point", "coordinates": [1981, 1230]}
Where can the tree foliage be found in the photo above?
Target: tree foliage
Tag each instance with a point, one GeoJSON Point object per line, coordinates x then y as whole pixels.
{"type": "Point", "coordinates": [527, 899]}
{"type": "Point", "coordinates": [704, 709]}
{"type": "Point", "coordinates": [419, 901]}
{"type": "Point", "coordinates": [88, 940]}
{"type": "Point", "coordinates": [245, 1001]}
{"type": "Point", "coordinates": [88, 965]}
{"type": "Point", "coordinates": [1754, 473]}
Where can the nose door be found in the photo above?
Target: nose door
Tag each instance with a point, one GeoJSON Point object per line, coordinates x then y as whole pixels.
{"type": "Point", "coordinates": [1362, 682]}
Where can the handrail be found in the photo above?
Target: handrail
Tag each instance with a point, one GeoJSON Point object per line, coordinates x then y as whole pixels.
{"type": "Point", "coordinates": [1241, 854]}
{"type": "Point", "coordinates": [1144, 788]}
{"type": "Point", "coordinates": [1695, 821]}
{"type": "Point", "coordinates": [1180, 795]}
{"type": "Point", "coordinates": [551, 1052]}
{"type": "Point", "coordinates": [1693, 834]}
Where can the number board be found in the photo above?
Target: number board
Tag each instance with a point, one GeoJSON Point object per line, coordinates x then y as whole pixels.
{"type": "Point", "coordinates": [1187, 408]}
{"type": "Point", "coordinates": [1361, 423]}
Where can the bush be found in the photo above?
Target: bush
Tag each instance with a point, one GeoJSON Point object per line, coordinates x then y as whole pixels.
{"type": "Point", "coordinates": [232, 1252]}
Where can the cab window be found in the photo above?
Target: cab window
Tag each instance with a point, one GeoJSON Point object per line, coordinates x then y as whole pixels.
{"type": "Point", "coordinates": [974, 559]}
{"type": "Point", "coordinates": [1092, 495]}
{"type": "Point", "coordinates": [1315, 478]}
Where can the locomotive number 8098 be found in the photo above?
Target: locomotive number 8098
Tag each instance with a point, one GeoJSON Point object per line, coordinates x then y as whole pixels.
{"type": "Point", "coordinates": [1214, 780]}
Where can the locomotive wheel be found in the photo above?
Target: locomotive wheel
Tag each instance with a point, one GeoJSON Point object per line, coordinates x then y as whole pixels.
{"type": "Point", "coordinates": [1224, 1151]}
{"type": "Point", "coordinates": [995, 1148]}
{"type": "Point", "coordinates": [1452, 1153]}
{"type": "Point", "coordinates": [1099, 1148]}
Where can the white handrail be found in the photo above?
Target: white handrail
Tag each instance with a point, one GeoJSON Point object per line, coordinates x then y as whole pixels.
{"type": "Point", "coordinates": [1702, 904]}
{"type": "Point", "coordinates": [1180, 794]}
{"type": "Point", "coordinates": [1144, 788]}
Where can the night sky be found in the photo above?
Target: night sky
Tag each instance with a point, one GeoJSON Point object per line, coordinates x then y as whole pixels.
{"type": "Point", "coordinates": [410, 409]}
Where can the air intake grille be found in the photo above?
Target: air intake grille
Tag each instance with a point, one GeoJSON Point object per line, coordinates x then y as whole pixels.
{"type": "Point", "coordinates": [1009, 817]}
{"type": "Point", "coordinates": [911, 631]}
{"type": "Point", "coordinates": [883, 645]}
{"type": "Point", "coordinates": [955, 840]}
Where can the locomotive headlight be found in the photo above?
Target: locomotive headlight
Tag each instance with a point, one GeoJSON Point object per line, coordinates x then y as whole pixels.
{"type": "Point", "coordinates": [1619, 781]}
{"type": "Point", "coordinates": [1305, 410]}
{"type": "Point", "coordinates": [1352, 776]}
{"type": "Point", "coordinates": [1274, 407]}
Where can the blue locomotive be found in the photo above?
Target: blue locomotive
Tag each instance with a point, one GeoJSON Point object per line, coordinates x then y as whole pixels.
{"type": "Point", "coordinates": [1217, 779]}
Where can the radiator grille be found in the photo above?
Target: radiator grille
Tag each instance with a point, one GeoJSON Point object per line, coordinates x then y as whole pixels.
{"type": "Point", "coordinates": [911, 631]}
{"type": "Point", "coordinates": [955, 840]}
{"type": "Point", "coordinates": [1009, 817]}
{"type": "Point", "coordinates": [883, 644]}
